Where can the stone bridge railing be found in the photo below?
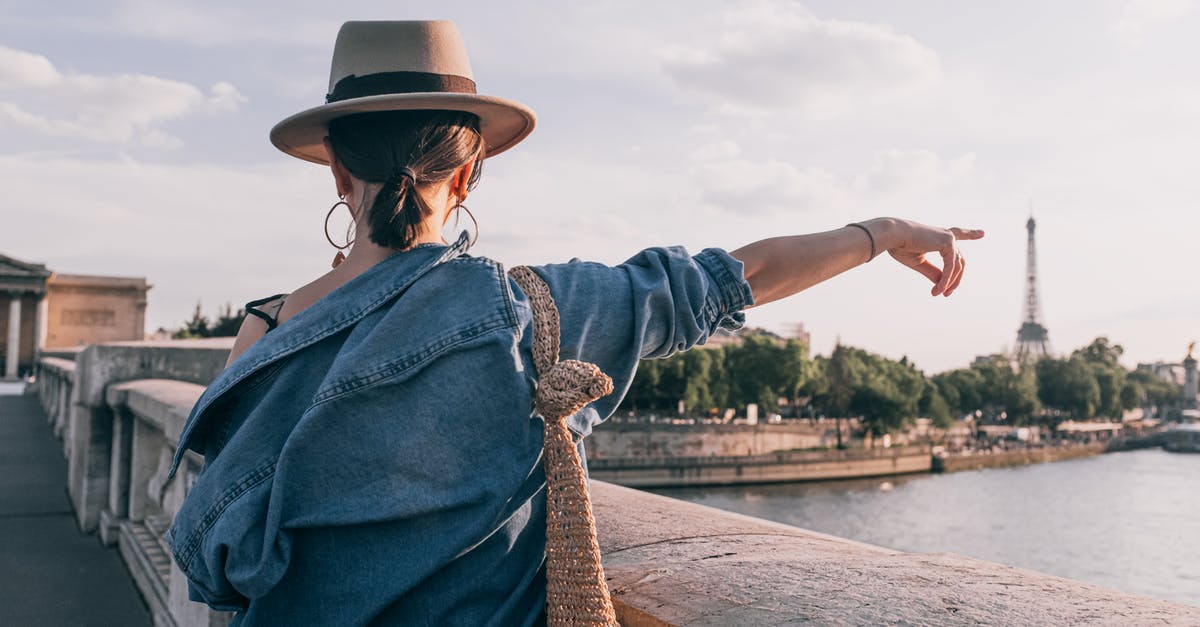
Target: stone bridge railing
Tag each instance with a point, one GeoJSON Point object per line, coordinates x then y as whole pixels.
{"type": "Point", "coordinates": [120, 407]}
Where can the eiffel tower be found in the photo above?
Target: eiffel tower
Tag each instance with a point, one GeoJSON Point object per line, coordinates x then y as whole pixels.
{"type": "Point", "coordinates": [1033, 341]}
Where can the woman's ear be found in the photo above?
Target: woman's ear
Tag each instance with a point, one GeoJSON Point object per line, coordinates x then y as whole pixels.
{"type": "Point", "coordinates": [341, 176]}
{"type": "Point", "coordinates": [461, 182]}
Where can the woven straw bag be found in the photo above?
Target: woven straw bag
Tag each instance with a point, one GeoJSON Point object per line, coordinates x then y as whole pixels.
{"type": "Point", "coordinates": [576, 593]}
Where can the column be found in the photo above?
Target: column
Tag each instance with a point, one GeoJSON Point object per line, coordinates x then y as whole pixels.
{"type": "Point", "coordinates": [14, 335]}
{"type": "Point", "coordinates": [39, 326]}
{"type": "Point", "coordinates": [1191, 382]}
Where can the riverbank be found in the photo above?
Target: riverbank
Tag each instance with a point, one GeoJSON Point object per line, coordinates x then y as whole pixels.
{"type": "Point", "coordinates": [834, 464]}
{"type": "Point", "coordinates": [781, 467]}
{"type": "Point", "coordinates": [1015, 457]}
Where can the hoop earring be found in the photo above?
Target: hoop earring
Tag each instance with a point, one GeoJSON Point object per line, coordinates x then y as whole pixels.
{"type": "Point", "coordinates": [339, 257]}
{"type": "Point", "coordinates": [461, 207]}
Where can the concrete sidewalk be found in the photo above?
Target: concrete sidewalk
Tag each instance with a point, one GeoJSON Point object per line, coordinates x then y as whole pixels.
{"type": "Point", "coordinates": [50, 573]}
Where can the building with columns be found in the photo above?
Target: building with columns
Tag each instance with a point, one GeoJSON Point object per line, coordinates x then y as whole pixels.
{"type": "Point", "coordinates": [40, 309]}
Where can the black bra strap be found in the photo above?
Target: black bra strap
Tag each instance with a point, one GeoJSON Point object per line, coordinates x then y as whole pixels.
{"type": "Point", "coordinates": [251, 308]}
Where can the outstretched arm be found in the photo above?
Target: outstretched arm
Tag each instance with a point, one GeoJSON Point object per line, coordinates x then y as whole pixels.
{"type": "Point", "coordinates": [778, 267]}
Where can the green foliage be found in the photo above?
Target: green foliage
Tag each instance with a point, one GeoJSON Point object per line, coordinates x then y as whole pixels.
{"type": "Point", "coordinates": [887, 393]}
{"type": "Point", "coordinates": [1156, 392]}
{"type": "Point", "coordinates": [226, 325]}
{"type": "Point", "coordinates": [962, 389]}
{"type": "Point", "coordinates": [1104, 359]}
{"type": "Point", "coordinates": [934, 406]}
{"type": "Point", "coordinates": [761, 370]}
{"type": "Point", "coordinates": [1132, 394]}
{"type": "Point", "coordinates": [1069, 385]}
{"type": "Point", "coordinates": [1005, 391]}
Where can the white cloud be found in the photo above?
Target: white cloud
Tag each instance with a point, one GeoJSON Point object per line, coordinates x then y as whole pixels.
{"type": "Point", "coordinates": [745, 186]}
{"type": "Point", "coordinates": [210, 24]}
{"type": "Point", "coordinates": [1137, 18]}
{"type": "Point", "coordinates": [772, 54]}
{"type": "Point", "coordinates": [20, 69]}
{"type": "Point", "coordinates": [190, 229]}
{"type": "Point", "coordinates": [895, 172]}
{"type": "Point", "coordinates": [730, 181]}
{"type": "Point", "coordinates": [123, 108]}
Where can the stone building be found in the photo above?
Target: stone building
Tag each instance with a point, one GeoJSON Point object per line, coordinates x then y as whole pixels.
{"type": "Point", "coordinates": [40, 309]}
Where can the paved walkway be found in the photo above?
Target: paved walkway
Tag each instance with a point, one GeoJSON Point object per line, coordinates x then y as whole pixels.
{"type": "Point", "coordinates": [50, 573]}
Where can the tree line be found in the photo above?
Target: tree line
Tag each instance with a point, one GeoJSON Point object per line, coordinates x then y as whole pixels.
{"type": "Point", "coordinates": [225, 324]}
{"type": "Point", "coordinates": [780, 376]}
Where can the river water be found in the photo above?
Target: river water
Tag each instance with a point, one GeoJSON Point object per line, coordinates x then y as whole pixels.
{"type": "Point", "coordinates": [1129, 521]}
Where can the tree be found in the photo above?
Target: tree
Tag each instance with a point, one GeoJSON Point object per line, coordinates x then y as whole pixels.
{"type": "Point", "coordinates": [1132, 394]}
{"type": "Point", "coordinates": [1157, 392]}
{"type": "Point", "coordinates": [962, 389]}
{"type": "Point", "coordinates": [643, 390]}
{"type": "Point", "coordinates": [934, 406]}
{"type": "Point", "coordinates": [1101, 352]}
{"type": "Point", "coordinates": [198, 326]}
{"type": "Point", "coordinates": [1104, 359]}
{"type": "Point", "coordinates": [226, 325]}
{"type": "Point", "coordinates": [228, 322]}
{"type": "Point", "coordinates": [762, 369]}
{"type": "Point", "coordinates": [1006, 390]}
{"type": "Point", "coordinates": [1069, 385]}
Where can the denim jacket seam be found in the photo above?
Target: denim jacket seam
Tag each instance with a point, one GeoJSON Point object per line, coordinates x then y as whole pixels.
{"type": "Point", "coordinates": [243, 486]}
{"type": "Point", "coordinates": [397, 367]}
{"type": "Point", "coordinates": [508, 295]}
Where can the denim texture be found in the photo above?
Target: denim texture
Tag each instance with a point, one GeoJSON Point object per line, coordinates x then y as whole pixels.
{"type": "Point", "coordinates": [377, 458]}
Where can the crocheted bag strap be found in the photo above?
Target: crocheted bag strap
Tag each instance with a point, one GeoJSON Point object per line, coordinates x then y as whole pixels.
{"type": "Point", "coordinates": [576, 593]}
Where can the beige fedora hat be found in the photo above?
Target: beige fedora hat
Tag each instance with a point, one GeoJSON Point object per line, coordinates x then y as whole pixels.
{"type": "Point", "coordinates": [391, 66]}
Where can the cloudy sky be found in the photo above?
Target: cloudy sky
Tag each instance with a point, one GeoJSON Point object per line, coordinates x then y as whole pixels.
{"type": "Point", "coordinates": [135, 143]}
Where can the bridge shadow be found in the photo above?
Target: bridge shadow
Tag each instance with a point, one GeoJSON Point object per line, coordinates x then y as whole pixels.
{"type": "Point", "coordinates": [50, 573]}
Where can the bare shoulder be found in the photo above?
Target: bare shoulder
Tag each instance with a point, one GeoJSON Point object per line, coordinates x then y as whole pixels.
{"type": "Point", "coordinates": [251, 330]}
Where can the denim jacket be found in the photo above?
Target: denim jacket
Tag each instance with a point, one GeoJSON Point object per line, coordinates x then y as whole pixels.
{"type": "Point", "coordinates": [377, 459]}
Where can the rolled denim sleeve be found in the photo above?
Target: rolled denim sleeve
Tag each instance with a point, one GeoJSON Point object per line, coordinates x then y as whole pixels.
{"type": "Point", "coordinates": [658, 302]}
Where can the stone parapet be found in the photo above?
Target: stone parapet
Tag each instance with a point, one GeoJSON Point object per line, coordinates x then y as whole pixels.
{"type": "Point", "coordinates": [148, 416]}
{"type": "Point", "coordinates": [55, 383]}
{"type": "Point", "coordinates": [669, 562]}
{"type": "Point", "coordinates": [88, 433]}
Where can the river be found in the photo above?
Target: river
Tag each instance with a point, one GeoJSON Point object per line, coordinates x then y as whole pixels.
{"type": "Point", "coordinates": [1129, 521]}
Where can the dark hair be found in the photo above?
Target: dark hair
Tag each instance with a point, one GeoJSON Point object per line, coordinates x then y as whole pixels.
{"type": "Point", "coordinates": [403, 150]}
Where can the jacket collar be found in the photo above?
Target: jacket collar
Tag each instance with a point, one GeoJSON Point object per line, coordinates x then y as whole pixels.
{"type": "Point", "coordinates": [337, 310]}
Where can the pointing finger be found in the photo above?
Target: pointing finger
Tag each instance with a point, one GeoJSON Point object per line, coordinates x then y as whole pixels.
{"type": "Point", "coordinates": [962, 234]}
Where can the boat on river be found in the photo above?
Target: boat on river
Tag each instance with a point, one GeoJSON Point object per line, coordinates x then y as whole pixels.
{"type": "Point", "coordinates": [1182, 438]}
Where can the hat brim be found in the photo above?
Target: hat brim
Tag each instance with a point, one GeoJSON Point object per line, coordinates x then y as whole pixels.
{"type": "Point", "coordinates": [503, 123]}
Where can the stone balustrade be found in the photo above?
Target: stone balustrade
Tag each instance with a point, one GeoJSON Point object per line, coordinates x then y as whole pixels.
{"type": "Point", "coordinates": [56, 383]}
{"type": "Point", "coordinates": [669, 562]}
{"type": "Point", "coordinates": [148, 417]}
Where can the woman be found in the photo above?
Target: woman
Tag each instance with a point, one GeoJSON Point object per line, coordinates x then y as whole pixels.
{"type": "Point", "coordinates": [372, 452]}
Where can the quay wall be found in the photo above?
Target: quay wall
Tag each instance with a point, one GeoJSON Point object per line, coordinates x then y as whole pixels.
{"type": "Point", "coordinates": [624, 440]}
{"type": "Point", "coordinates": [771, 468]}
{"type": "Point", "coordinates": [668, 562]}
{"type": "Point", "coordinates": [1020, 457]}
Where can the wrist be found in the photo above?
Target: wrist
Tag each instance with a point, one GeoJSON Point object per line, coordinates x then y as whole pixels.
{"type": "Point", "coordinates": [889, 233]}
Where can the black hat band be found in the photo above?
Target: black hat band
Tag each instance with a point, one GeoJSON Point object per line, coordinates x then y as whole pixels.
{"type": "Point", "coordinates": [399, 83]}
